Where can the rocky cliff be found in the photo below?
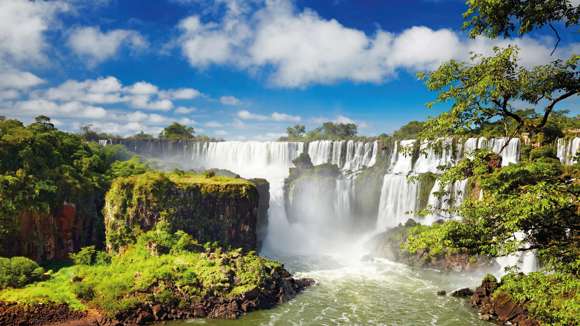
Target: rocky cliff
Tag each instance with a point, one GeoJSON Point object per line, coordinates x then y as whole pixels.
{"type": "Point", "coordinates": [52, 235]}
{"type": "Point", "coordinates": [210, 208]}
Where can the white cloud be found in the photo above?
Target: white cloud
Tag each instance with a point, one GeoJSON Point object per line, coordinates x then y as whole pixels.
{"type": "Point", "coordinates": [65, 110]}
{"type": "Point", "coordinates": [182, 94]}
{"type": "Point", "coordinates": [285, 117]}
{"type": "Point", "coordinates": [229, 100]}
{"type": "Point", "coordinates": [97, 46]}
{"type": "Point", "coordinates": [185, 110]}
{"type": "Point", "coordinates": [338, 119]}
{"type": "Point", "coordinates": [22, 24]}
{"type": "Point", "coordinates": [299, 48]}
{"type": "Point", "coordinates": [100, 91]}
{"type": "Point", "coordinates": [18, 79]}
{"type": "Point", "coordinates": [247, 115]}
{"type": "Point", "coordinates": [213, 124]}
{"type": "Point", "coordinates": [220, 133]}
{"type": "Point", "coordinates": [275, 116]}
{"type": "Point", "coordinates": [143, 88]}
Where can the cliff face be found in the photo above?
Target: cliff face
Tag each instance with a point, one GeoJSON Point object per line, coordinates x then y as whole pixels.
{"type": "Point", "coordinates": [52, 236]}
{"type": "Point", "coordinates": [219, 209]}
{"type": "Point", "coordinates": [263, 188]}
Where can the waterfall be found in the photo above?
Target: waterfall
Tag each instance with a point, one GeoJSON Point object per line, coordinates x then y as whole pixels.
{"type": "Point", "coordinates": [347, 155]}
{"type": "Point", "coordinates": [398, 200]}
{"type": "Point", "coordinates": [567, 150]}
{"type": "Point", "coordinates": [430, 159]}
{"type": "Point", "coordinates": [402, 158]}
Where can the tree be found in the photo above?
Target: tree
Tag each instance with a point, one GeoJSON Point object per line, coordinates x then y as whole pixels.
{"type": "Point", "coordinates": [141, 136]}
{"type": "Point", "coordinates": [296, 132]}
{"type": "Point", "coordinates": [410, 130]}
{"type": "Point", "coordinates": [495, 18]}
{"type": "Point", "coordinates": [177, 131]}
{"type": "Point", "coordinates": [489, 88]}
{"type": "Point", "coordinates": [339, 130]}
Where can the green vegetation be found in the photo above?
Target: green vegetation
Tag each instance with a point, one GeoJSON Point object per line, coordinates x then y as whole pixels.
{"type": "Point", "coordinates": [502, 18]}
{"type": "Point", "coordinates": [16, 272]}
{"type": "Point", "coordinates": [485, 91]}
{"type": "Point", "coordinates": [42, 167]}
{"type": "Point", "coordinates": [328, 131]}
{"type": "Point", "coordinates": [161, 267]}
{"type": "Point", "coordinates": [410, 130]}
{"type": "Point", "coordinates": [177, 131]}
{"type": "Point", "coordinates": [553, 299]}
{"type": "Point", "coordinates": [178, 198]}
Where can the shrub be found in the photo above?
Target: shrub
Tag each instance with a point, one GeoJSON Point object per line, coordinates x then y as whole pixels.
{"type": "Point", "coordinates": [90, 256]}
{"type": "Point", "coordinates": [553, 299]}
{"type": "Point", "coordinates": [543, 151]}
{"type": "Point", "coordinates": [17, 272]}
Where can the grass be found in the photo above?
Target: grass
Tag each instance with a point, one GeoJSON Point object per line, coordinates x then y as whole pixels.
{"type": "Point", "coordinates": [160, 268]}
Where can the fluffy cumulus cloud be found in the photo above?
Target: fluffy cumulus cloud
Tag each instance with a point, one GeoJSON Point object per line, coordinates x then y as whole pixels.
{"type": "Point", "coordinates": [275, 116]}
{"type": "Point", "coordinates": [230, 100]}
{"type": "Point", "coordinates": [299, 48]}
{"type": "Point", "coordinates": [104, 102]}
{"type": "Point", "coordinates": [16, 79]}
{"type": "Point", "coordinates": [22, 27]}
{"type": "Point", "coordinates": [22, 42]}
{"type": "Point", "coordinates": [97, 46]}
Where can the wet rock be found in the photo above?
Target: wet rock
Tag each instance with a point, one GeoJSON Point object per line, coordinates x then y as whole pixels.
{"type": "Point", "coordinates": [499, 307]}
{"type": "Point", "coordinates": [462, 293]}
{"type": "Point", "coordinates": [441, 293]}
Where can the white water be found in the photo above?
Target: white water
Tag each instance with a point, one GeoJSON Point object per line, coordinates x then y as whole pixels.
{"type": "Point", "coordinates": [328, 232]}
{"type": "Point", "coordinates": [398, 201]}
{"type": "Point", "coordinates": [567, 150]}
{"type": "Point", "coordinates": [321, 244]}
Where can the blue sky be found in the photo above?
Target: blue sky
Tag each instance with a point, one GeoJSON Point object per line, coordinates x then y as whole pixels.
{"type": "Point", "coordinates": [231, 68]}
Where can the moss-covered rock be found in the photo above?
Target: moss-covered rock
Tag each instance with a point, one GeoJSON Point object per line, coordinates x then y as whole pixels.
{"type": "Point", "coordinates": [163, 276]}
{"type": "Point", "coordinates": [215, 208]}
{"type": "Point", "coordinates": [425, 246]}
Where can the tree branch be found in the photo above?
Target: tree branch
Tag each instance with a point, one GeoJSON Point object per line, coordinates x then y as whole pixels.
{"type": "Point", "coordinates": [557, 39]}
{"type": "Point", "coordinates": [552, 104]}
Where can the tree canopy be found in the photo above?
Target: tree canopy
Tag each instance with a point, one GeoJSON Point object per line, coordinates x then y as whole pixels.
{"type": "Point", "coordinates": [493, 87]}
{"type": "Point", "coordinates": [495, 18]}
{"type": "Point", "coordinates": [177, 131]}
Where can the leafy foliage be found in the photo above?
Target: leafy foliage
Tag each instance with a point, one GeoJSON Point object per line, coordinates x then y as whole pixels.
{"type": "Point", "coordinates": [485, 91]}
{"type": "Point", "coordinates": [42, 167]}
{"type": "Point", "coordinates": [553, 299]}
{"type": "Point", "coordinates": [177, 131]}
{"type": "Point", "coordinates": [184, 272]}
{"type": "Point", "coordinates": [534, 198]}
{"type": "Point", "coordinates": [410, 130]}
{"type": "Point", "coordinates": [328, 131]}
{"type": "Point", "coordinates": [494, 18]}
{"type": "Point", "coordinates": [17, 272]}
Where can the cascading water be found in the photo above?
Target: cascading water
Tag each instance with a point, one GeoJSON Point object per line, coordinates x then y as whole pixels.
{"type": "Point", "coordinates": [568, 149]}
{"type": "Point", "coordinates": [398, 201]}
{"type": "Point", "coordinates": [397, 208]}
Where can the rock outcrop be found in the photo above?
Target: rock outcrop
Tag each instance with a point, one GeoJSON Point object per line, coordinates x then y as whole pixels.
{"type": "Point", "coordinates": [55, 234]}
{"type": "Point", "coordinates": [210, 209]}
{"type": "Point", "coordinates": [499, 307]}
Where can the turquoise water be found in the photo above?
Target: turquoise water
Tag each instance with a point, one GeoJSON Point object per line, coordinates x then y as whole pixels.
{"type": "Point", "coordinates": [378, 292]}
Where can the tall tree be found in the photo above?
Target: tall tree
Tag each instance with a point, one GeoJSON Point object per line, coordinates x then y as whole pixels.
{"type": "Point", "coordinates": [296, 131]}
{"type": "Point", "coordinates": [493, 87]}
{"type": "Point", "coordinates": [505, 18]}
{"type": "Point", "coordinates": [177, 131]}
